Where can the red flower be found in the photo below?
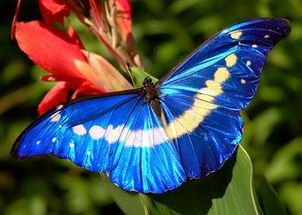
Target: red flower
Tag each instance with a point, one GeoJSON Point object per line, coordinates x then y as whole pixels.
{"type": "Point", "coordinates": [54, 10]}
{"type": "Point", "coordinates": [62, 54]}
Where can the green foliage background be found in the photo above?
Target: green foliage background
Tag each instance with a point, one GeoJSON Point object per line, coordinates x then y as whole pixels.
{"type": "Point", "coordinates": [165, 32]}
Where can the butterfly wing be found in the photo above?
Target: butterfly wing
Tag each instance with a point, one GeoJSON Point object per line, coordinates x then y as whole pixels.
{"type": "Point", "coordinates": [202, 97]}
{"type": "Point", "coordinates": [118, 134]}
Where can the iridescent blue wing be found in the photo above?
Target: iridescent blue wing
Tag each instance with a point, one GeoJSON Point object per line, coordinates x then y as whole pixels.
{"type": "Point", "coordinates": [201, 98]}
{"type": "Point", "coordinates": [118, 134]}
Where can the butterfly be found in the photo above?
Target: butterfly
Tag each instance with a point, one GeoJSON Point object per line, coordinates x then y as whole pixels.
{"type": "Point", "coordinates": [185, 126]}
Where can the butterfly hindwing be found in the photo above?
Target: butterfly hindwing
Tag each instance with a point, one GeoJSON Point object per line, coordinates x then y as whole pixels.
{"type": "Point", "coordinates": [202, 96]}
{"type": "Point", "coordinates": [152, 167]}
{"type": "Point", "coordinates": [120, 135]}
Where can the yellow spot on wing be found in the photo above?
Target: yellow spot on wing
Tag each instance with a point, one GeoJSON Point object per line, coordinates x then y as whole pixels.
{"type": "Point", "coordinates": [202, 106]}
{"type": "Point", "coordinates": [221, 75]}
{"type": "Point", "coordinates": [236, 35]}
{"type": "Point", "coordinates": [231, 60]}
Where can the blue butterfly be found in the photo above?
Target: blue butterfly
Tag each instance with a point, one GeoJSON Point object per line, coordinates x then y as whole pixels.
{"type": "Point", "coordinates": [183, 127]}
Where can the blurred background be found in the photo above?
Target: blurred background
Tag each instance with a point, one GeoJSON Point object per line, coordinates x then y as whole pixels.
{"type": "Point", "coordinates": [165, 32]}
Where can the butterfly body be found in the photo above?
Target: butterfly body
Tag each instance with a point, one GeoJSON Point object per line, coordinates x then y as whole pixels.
{"type": "Point", "coordinates": [185, 126]}
{"type": "Point", "coordinates": [151, 95]}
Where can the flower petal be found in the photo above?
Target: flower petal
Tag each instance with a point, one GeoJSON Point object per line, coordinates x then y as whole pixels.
{"type": "Point", "coordinates": [57, 95]}
{"type": "Point", "coordinates": [106, 74]}
{"type": "Point", "coordinates": [58, 53]}
{"type": "Point", "coordinates": [124, 22]}
{"type": "Point", "coordinates": [50, 48]}
{"type": "Point", "coordinates": [13, 26]}
{"type": "Point", "coordinates": [75, 37]}
{"type": "Point", "coordinates": [54, 10]}
{"type": "Point", "coordinates": [96, 11]}
{"type": "Point", "coordinates": [124, 17]}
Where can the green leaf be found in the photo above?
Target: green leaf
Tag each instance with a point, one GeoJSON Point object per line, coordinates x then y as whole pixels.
{"type": "Point", "coordinates": [291, 193]}
{"type": "Point", "coordinates": [129, 202]}
{"type": "Point", "coordinates": [228, 191]}
{"type": "Point", "coordinates": [286, 163]}
{"type": "Point", "coordinates": [138, 75]}
{"type": "Point", "coordinates": [268, 198]}
{"type": "Point", "coordinates": [264, 124]}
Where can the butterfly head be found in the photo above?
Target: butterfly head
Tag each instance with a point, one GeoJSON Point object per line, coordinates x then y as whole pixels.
{"type": "Point", "coordinates": [147, 81]}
